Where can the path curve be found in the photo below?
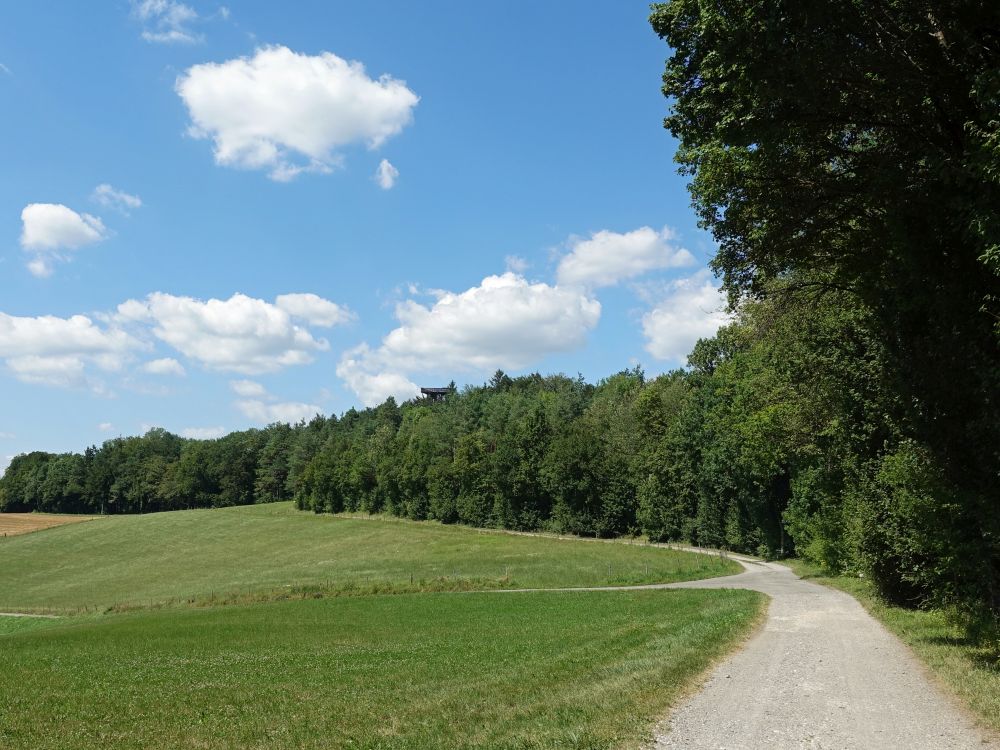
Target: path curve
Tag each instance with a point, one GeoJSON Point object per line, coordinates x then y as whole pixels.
{"type": "Point", "coordinates": [821, 674]}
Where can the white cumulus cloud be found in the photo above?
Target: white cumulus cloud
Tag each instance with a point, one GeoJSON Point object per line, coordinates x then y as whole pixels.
{"type": "Point", "coordinates": [50, 229]}
{"type": "Point", "coordinates": [241, 334]}
{"type": "Point", "coordinates": [164, 366]}
{"type": "Point", "coordinates": [288, 112]}
{"type": "Point", "coordinates": [313, 309]}
{"type": "Point", "coordinates": [506, 321]}
{"type": "Point", "coordinates": [105, 427]}
{"type": "Point", "coordinates": [119, 200]}
{"type": "Point", "coordinates": [358, 369]}
{"type": "Point", "coordinates": [607, 258]}
{"type": "Point", "coordinates": [386, 175]}
{"type": "Point", "coordinates": [57, 351]}
{"type": "Point", "coordinates": [693, 308]}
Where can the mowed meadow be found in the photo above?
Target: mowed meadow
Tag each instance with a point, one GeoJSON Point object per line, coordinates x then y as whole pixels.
{"type": "Point", "coordinates": [581, 670]}
{"type": "Point", "coordinates": [267, 627]}
{"type": "Point", "coordinates": [163, 558]}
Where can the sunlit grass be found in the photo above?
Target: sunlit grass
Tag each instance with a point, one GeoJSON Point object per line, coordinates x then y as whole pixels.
{"type": "Point", "coordinates": [486, 670]}
{"type": "Point", "coordinates": [255, 551]}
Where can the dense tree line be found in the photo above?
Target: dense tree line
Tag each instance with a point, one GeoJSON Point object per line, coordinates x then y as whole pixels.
{"type": "Point", "coordinates": [157, 471]}
{"type": "Point", "coordinates": [854, 147]}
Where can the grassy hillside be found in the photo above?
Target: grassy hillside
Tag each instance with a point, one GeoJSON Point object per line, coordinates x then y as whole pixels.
{"type": "Point", "coordinates": [533, 670]}
{"type": "Point", "coordinates": [200, 553]}
{"type": "Point", "coordinates": [10, 625]}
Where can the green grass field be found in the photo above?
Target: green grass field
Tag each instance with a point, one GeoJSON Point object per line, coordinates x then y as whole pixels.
{"type": "Point", "coordinates": [135, 665]}
{"type": "Point", "coordinates": [162, 557]}
{"type": "Point", "coordinates": [970, 669]}
{"type": "Point", "coordinates": [484, 670]}
{"type": "Point", "coordinates": [10, 625]}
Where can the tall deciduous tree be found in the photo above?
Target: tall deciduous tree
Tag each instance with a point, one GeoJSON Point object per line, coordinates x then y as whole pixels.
{"type": "Point", "coordinates": [855, 144]}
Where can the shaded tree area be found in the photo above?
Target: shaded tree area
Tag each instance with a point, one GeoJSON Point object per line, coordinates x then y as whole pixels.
{"type": "Point", "coordinates": [853, 147]}
{"type": "Point", "coordinates": [155, 472]}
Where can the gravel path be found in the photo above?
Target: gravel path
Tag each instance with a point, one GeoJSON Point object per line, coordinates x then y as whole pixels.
{"type": "Point", "coordinates": [26, 614]}
{"type": "Point", "coordinates": [821, 674]}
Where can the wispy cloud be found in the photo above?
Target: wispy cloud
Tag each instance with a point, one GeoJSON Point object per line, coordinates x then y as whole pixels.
{"type": "Point", "coordinates": [164, 366]}
{"type": "Point", "coordinates": [386, 175]}
{"type": "Point", "coordinates": [607, 258]}
{"type": "Point", "coordinates": [166, 21]}
{"type": "Point", "coordinates": [119, 200]}
{"type": "Point", "coordinates": [203, 433]}
{"type": "Point", "coordinates": [259, 405]}
{"type": "Point", "coordinates": [516, 264]}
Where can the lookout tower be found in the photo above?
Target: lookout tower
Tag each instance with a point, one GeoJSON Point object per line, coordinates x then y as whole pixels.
{"type": "Point", "coordinates": [435, 394]}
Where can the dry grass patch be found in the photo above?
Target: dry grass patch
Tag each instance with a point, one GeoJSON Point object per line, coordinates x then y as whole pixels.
{"type": "Point", "coordinates": [12, 524]}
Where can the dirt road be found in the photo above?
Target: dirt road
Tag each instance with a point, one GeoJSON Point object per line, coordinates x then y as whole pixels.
{"type": "Point", "coordinates": [821, 674]}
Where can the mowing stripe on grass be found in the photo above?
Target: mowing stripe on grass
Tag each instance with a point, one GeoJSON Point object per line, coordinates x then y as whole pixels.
{"type": "Point", "coordinates": [171, 557]}
{"type": "Point", "coordinates": [541, 670]}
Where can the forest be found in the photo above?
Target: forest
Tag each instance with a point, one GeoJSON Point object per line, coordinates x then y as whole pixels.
{"type": "Point", "coordinates": [846, 163]}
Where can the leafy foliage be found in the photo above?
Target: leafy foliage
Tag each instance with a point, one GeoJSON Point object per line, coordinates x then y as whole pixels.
{"type": "Point", "coordinates": [852, 146]}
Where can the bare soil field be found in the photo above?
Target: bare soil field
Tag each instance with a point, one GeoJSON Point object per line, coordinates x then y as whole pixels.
{"type": "Point", "coordinates": [12, 524]}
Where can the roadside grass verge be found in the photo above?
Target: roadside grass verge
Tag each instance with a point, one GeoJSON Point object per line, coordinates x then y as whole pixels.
{"type": "Point", "coordinates": [531, 670]}
{"type": "Point", "coordinates": [253, 551]}
{"type": "Point", "coordinates": [969, 667]}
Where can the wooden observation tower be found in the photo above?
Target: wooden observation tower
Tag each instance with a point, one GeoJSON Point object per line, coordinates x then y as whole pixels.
{"type": "Point", "coordinates": [435, 394]}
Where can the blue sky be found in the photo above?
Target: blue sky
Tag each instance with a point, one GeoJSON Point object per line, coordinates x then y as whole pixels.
{"type": "Point", "coordinates": [214, 217]}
